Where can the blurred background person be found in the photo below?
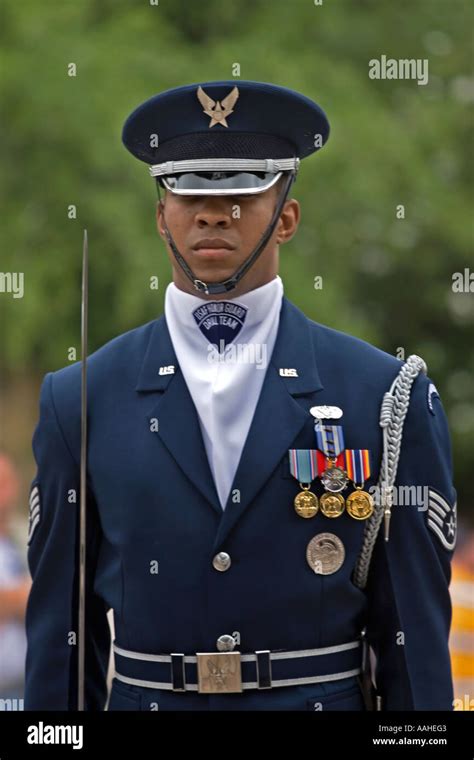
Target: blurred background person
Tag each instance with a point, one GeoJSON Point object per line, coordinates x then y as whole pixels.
{"type": "Point", "coordinates": [462, 630]}
{"type": "Point", "coordinates": [14, 588]}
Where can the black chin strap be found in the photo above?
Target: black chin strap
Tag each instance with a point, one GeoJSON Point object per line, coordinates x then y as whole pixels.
{"type": "Point", "coordinates": [227, 285]}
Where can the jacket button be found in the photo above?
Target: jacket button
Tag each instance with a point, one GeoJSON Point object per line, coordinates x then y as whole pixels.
{"type": "Point", "coordinates": [225, 643]}
{"type": "Point", "coordinates": [221, 561]}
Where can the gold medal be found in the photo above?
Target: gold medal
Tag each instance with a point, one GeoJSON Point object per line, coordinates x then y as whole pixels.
{"type": "Point", "coordinates": [306, 503]}
{"type": "Point", "coordinates": [360, 504]}
{"type": "Point", "coordinates": [332, 504]}
{"type": "Point", "coordinates": [303, 467]}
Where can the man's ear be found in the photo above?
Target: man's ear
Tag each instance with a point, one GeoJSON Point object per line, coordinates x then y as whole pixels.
{"type": "Point", "coordinates": [289, 221]}
{"type": "Point", "coordinates": [160, 207]}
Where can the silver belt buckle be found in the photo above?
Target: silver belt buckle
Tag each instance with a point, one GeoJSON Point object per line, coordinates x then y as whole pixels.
{"type": "Point", "coordinates": [219, 672]}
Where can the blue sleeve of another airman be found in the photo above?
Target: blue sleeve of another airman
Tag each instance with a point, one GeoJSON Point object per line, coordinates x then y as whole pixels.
{"type": "Point", "coordinates": [409, 601]}
{"type": "Point", "coordinates": [52, 619]}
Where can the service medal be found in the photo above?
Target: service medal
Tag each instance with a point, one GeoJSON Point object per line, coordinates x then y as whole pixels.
{"type": "Point", "coordinates": [330, 441]}
{"type": "Point", "coordinates": [306, 503]}
{"type": "Point", "coordinates": [360, 504]}
{"type": "Point", "coordinates": [303, 467]}
{"type": "Point", "coordinates": [334, 479]}
{"type": "Point", "coordinates": [332, 504]}
{"type": "Point", "coordinates": [325, 554]}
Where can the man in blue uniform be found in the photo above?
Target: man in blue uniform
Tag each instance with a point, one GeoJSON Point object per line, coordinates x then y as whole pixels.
{"type": "Point", "coordinates": [266, 496]}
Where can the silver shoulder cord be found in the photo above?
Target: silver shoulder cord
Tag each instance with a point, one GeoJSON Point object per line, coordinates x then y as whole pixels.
{"type": "Point", "coordinates": [83, 485]}
{"type": "Point", "coordinates": [392, 418]}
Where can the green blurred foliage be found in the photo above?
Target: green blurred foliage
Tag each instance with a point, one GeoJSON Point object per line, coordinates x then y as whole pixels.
{"type": "Point", "coordinates": [393, 142]}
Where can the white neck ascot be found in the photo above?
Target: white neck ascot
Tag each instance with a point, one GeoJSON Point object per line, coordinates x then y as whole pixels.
{"type": "Point", "coordinates": [223, 349]}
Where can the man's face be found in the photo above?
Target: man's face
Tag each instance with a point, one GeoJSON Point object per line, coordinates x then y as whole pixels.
{"type": "Point", "coordinates": [216, 234]}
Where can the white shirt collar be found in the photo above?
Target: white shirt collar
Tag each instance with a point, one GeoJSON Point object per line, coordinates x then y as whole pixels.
{"type": "Point", "coordinates": [259, 302]}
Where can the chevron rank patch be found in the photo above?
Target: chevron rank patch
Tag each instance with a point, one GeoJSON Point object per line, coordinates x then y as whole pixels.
{"type": "Point", "coordinates": [35, 511]}
{"type": "Point", "coordinates": [442, 519]}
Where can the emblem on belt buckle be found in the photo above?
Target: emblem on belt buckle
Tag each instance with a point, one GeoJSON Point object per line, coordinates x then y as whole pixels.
{"type": "Point", "coordinates": [219, 672]}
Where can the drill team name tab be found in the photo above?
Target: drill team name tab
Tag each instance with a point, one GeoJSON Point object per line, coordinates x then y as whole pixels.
{"type": "Point", "coordinates": [220, 320]}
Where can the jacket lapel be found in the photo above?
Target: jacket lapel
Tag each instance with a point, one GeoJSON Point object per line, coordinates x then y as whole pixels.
{"type": "Point", "coordinates": [278, 417]}
{"type": "Point", "coordinates": [277, 420]}
{"type": "Point", "coordinates": [178, 423]}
